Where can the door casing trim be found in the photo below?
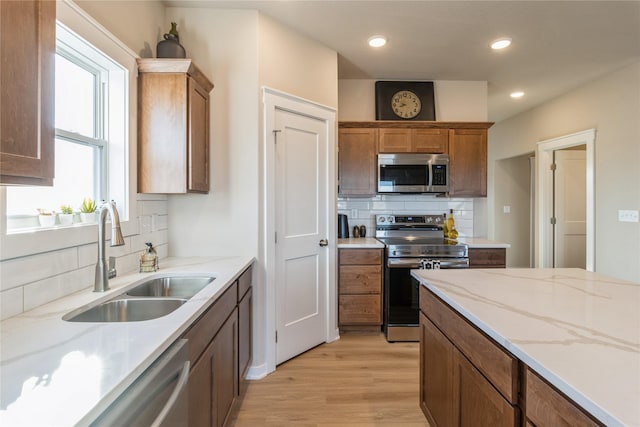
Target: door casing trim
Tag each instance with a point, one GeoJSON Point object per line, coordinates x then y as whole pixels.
{"type": "Point", "coordinates": [544, 195]}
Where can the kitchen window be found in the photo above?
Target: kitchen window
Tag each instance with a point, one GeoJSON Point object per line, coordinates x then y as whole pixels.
{"type": "Point", "coordinates": [90, 142]}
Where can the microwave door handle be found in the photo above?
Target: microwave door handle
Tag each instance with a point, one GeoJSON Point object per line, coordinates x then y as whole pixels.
{"type": "Point", "coordinates": [430, 182]}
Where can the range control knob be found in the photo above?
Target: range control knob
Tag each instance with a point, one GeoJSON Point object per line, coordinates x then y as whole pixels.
{"type": "Point", "coordinates": [391, 219]}
{"type": "Point", "coordinates": [429, 219]}
{"type": "Point", "coordinates": [381, 219]}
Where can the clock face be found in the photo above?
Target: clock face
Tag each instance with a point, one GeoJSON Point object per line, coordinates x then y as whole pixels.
{"type": "Point", "coordinates": [406, 104]}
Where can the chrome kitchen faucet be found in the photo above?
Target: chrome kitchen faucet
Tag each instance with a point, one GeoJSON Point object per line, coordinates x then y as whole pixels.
{"type": "Point", "coordinates": [102, 275]}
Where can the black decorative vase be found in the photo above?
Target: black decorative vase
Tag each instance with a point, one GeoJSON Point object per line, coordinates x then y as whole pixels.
{"type": "Point", "coordinates": [170, 47]}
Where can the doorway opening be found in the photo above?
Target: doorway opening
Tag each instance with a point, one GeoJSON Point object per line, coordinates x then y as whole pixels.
{"type": "Point", "coordinates": [555, 243]}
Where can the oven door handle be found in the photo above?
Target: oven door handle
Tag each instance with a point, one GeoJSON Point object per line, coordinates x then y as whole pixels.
{"type": "Point", "coordinates": [414, 263]}
{"type": "Point", "coordinates": [403, 262]}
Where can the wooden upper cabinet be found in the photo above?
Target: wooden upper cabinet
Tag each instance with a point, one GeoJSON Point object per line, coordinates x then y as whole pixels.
{"type": "Point", "coordinates": [27, 84]}
{"type": "Point", "coordinates": [468, 162]}
{"type": "Point", "coordinates": [173, 127]}
{"type": "Point", "coordinates": [405, 140]}
{"type": "Point", "coordinates": [392, 140]}
{"type": "Point", "coordinates": [357, 153]}
{"type": "Point", "coordinates": [435, 141]}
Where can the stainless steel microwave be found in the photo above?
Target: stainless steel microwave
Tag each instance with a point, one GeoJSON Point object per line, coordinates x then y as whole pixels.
{"type": "Point", "coordinates": [413, 173]}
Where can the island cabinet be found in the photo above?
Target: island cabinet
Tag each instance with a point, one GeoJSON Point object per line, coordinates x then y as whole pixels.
{"type": "Point", "coordinates": [465, 378]}
{"type": "Point", "coordinates": [220, 353]}
{"type": "Point", "coordinates": [487, 257]}
{"type": "Point", "coordinates": [173, 127]}
{"type": "Point", "coordinates": [546, 406]}
{"type": "Point", "coordinates": [468, 162]}
{"type": "Point", "coordinates": [27, 55]}
{"type": "Point", "coordinates": [360, 289]}
{"type": "Point", "coordinates": [357, 161]}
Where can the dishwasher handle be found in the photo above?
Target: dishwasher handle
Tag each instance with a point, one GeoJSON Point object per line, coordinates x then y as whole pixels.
{"type": "Point", "coordinates": [175, 395]}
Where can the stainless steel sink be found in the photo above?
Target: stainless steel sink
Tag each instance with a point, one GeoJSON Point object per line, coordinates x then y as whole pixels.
{"type": "Point", "coordinates": [126, 310]}
{"type": "Point", "coordinates": [176, 287]}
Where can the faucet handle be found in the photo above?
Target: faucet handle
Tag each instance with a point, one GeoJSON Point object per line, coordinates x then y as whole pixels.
{"type": "Point", "coordinates": [112, 267]}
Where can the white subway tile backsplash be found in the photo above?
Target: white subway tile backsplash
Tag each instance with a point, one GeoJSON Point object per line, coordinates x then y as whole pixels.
{"type": "Point", "coordinates": [153, 207]}
{"type": "Point", "coordinates": [406, 204]}
{"type": "Point", "coordinates": [52, 288]}
{"type": "Point", "coordinates": [11, 302]}
{"type": "Point", "coordinates": [19, 271]}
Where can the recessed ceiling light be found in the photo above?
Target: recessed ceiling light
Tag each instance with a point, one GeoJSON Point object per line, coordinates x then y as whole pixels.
{"type": "Point", "coordinates": [377, 41]}
{"type": "Point", "coordinates": [518, 94]}
{"type": "Point", "coordinates": [501, 43]}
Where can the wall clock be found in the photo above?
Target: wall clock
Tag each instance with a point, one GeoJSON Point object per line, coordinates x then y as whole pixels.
{"type": "Point", "coordinates": [398, 100]}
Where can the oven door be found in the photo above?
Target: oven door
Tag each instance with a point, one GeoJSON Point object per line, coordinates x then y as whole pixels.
{"type": "Point", "coordinates": [401, 302]}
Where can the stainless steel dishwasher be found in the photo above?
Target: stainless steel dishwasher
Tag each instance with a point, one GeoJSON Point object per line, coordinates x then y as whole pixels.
{"type": "Point", "coordinates": [158, 398]}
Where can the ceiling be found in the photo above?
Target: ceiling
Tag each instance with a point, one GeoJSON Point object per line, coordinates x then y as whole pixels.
{"type": "Point", "coordinates": [557, 45]}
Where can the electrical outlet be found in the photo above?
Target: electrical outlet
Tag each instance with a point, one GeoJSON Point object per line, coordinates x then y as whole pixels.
{"type": "Point", "coordinates": [354, 213]}
{"type": "Point", "coordinates": [506, 209]}
{"type": "Point", "coordinates": [627, 215]}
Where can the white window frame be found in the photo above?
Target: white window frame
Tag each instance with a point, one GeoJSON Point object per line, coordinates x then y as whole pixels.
{"type": "Point", "coordinates": [121, 165]}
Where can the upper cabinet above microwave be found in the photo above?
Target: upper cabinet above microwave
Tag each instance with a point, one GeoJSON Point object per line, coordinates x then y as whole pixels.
{"type": "Point", "coordinates": [27, 52]}
{"type": "Point", "coordinates": [173, 127]}
{"type": "Point", "coordinates": [404, 140]}
{"type": "Point", "coordinates": [360, 142]}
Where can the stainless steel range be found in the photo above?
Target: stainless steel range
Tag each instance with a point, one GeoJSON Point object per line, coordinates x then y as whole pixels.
{"type": "Point", "coordinates": [412, 241]}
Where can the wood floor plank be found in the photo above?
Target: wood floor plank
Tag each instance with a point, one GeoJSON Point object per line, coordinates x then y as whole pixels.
{"type": "Point", "coordinates": [360, 380]}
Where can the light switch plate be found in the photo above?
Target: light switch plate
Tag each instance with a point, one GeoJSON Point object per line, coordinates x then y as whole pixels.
{"type": "Point", "coordinates": [627, 215]}
{"type": "Point", "coordinates": [506, 209]}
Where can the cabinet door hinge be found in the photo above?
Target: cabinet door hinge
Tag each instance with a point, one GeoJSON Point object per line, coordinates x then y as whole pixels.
{"type": "Point", "coordinates": [553, 220]}
{"type": "Point", "coordinates": [553, 166]}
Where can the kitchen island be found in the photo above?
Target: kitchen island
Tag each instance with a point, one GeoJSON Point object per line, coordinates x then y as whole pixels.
{"type": "Point", "coordinates": [59, 373]}
{"type": "Point", "coordinates": [574, 332]}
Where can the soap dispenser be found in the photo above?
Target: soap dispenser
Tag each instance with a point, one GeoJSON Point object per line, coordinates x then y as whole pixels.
{"type": "Point", "coordinates": [149, 260]}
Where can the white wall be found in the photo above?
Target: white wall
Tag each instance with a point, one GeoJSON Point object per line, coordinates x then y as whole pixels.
{"type": "Point", "coordinates": [455, 100]}
{"type": "Point", "coordinates": [223, 44]}
{"type": "Point", "coordinates": [611, 105]}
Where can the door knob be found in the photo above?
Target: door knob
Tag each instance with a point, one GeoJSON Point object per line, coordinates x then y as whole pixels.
{"type": "Point", "coordinates": [323, 242]}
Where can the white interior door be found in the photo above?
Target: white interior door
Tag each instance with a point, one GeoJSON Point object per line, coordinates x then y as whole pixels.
{"type": "Point", "coordinates": [570, 205]}
{"type": "Point", "coordinates": [301, 223]}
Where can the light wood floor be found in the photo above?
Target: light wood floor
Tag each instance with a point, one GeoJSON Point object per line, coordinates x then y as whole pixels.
{"type": "Point", "coordinates": [359, 380]}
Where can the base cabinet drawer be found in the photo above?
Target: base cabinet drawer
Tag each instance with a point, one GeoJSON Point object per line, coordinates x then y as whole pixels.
{"type": "Point", "coordinates": [487, 258]}
{"type": "Point", "coordinates": [546, 406]}
{"type": "Point", "coordinates": [360, 309]}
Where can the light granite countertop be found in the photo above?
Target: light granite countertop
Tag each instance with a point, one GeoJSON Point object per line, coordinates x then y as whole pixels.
{"type": "Point", "coordinates": [360, 242]}
{"type": "Point", "coordinates": [477, 242]}
{"type": "Point", "coordinates": [579, 330]}
{"type": "Point", "coordinates": [59, 373]}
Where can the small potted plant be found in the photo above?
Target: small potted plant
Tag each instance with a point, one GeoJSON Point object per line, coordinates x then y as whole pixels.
{"type": "Point", "coordinates": [87, 211]}
{"type": "Point", "coordinates": [46, 218]}
{"type": "Point", "coordinates": [66, 215]}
